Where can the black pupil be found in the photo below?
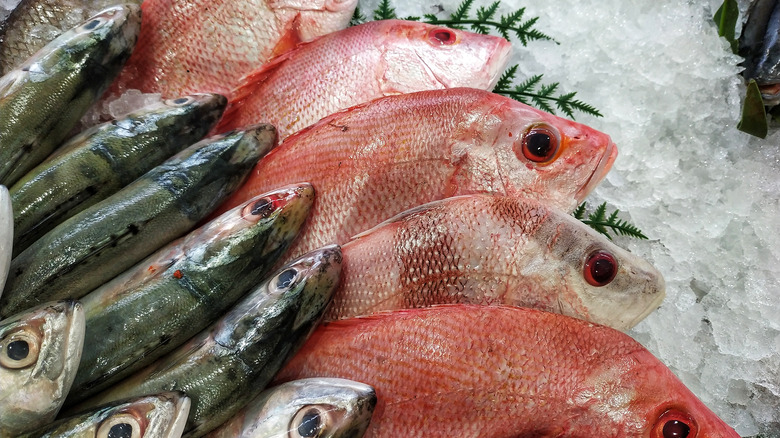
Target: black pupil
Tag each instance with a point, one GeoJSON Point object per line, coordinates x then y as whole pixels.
{"type": "Point", "coordinates": [602, 270]}
{"type": "Point", "coordinates": [18, 350]}
{"type": "Point", "coordinates": [310, 424]}
{"type": "Point", "coordinates": [443, 36]}
{"type": "Point", "coordinates": [539, 144]}
{"type": "Point", "coordinates": [261, 207]}
{"type": "Point", "coordinates": [121, 430]}
{"type": "Point", "coordinates": [285, 278]}
{"type": "Point", "coordinates": [676, 429]}
{"type": "Point", "coordinates": [92, 24]}
{"type": "Point", "coordinates": [180, 100]}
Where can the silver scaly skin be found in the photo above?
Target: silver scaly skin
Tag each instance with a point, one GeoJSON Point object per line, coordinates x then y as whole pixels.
{"type": "Point", "coordinates": [759, 44]}
{"type": "Point", "coordinates": [161, 415]}
{"type": "Point", "coordinates": [172, 295]}
{"type": "Point", "coordinates": [39, 353]}
{"type": "Point", "coordinates": [225, 366]}
{"type": "Point", "coordinates": [319, 407]}
{"type": "Point", "coordinates": [42, 100]}
{"type": "Point", "coordinates": [102, 160]}
{"type": "Point", "coordinates": [99, 243]}
{"type": "Point", "coordinates": [6, 234]}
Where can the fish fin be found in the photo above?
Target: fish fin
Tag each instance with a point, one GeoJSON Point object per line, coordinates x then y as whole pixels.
{"type": "Point", "coordinates": [290, 39]}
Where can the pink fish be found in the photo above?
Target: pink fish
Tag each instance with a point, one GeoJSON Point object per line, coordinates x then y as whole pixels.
{"type": "Point", "coordinates": [375, 160]}
{"type": "Point", "coordinates": [504, 372]}
{"type": "Point", "coordinates": [191, 46]}
{"type": "Point", "coordinates": [490, 249]}
{"type": "Point", "coordinates": [361, 63]}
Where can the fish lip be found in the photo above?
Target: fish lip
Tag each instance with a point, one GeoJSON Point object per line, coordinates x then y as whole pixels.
{"type": "Point", "coordinates": [499, 58]}
{"type": "Point", "coordinates": [605, 163]}
{"type": "Point", "coordinates": [179, 422]}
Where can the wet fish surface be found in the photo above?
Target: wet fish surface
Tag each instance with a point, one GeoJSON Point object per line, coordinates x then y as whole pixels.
{"type": "Point", "coordinates": [375, 160]}
{"type": "Point", "coordinates": [206, 46]}
{"type": "Point", "coordinates": [490, 249]}
{"type": "Point", "coordinates": [6, 234]}
{"type": "Point", "coordinates": [34, 23]}
{"type": "Point", "coordinates": [103, 159]}
{"type": "Point", "coordinates": [40, 350]}
{"type": "Point", "coordinates": [231, 362]}
{"type": "Point", "coordinates": [42, 100]}
{"type": "Point", "coordinates": [166, 299]}
{"type": "Point", "coordinates": [100, 242]}
{"type": "Point", "coordinates": [315, 407]}
{"type": "Point", "coordinates": [361, 63]}
{"type": "Point", "coordinates": [504, 372]}
{"type": "Point", "coordinates": [759, 44]}
{"type": "Point", "coordinates": [160, 415]}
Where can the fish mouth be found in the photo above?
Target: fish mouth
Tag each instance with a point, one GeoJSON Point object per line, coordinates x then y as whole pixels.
{"type": "Point", "coordinates": [605, 163]}
{"type": "Point", "coordinates": [499, 59]}
{"type": "Point", "coordinates": [179, 421]}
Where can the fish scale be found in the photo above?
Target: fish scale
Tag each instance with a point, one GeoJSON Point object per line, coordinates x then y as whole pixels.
{"type": "Point", "coordinates": [501, 372]}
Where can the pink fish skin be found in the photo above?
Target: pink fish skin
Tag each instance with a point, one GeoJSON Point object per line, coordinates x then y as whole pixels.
{"type": "Point", "coordinates": [504, 372]}
{"type": "Point", "coordinates": [190, 46]}
{"type": "Point", "coordinates": [373, 161]}
{"type": "Point", "coordinates": [361, 63]}
{"type": "Point", "coordinates": [491, 249]}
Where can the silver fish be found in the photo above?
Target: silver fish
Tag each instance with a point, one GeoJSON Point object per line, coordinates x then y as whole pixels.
{"type": "Point", "coordinates": [319, 407]}
{"type": "Point", "coordinates": [39, 353]}
{"type": "Point", "coordinates": [759, 44]}
{"type": "Point", "coordinates": [161, 415]}
{"type": "Point", "coordinates": [6, 235]}
{"type": "Point", "coordinates": [231, 362]}
{"type": "Point", "coordinates": [42, 100]}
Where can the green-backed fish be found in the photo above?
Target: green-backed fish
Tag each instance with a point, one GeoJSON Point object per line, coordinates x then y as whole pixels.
{"type": "Point", "coordinates": [170, 296]}
{"type": "Point", "coordinates": [6, 234]}
{"type": "Point", "coordinates": [100, 242]}
{"type": "Point", "coordinates": [39, 353]}
{"type": "Point", "coordinates": [314, 407]}
{"type": "Point", "coordinates": [228, 364]}
{"type": "Point", "coordinates": [42, 100]}
{"type": "Point", "coordinates": [98, 162]}
{"type": "Point", "coordinates": [160, 415]}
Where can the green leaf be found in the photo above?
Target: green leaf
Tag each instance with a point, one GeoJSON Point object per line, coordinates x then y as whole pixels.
{"type": "Point", "coordinates": [726, 18]}
{"type": "Point", "coordinates": [579, 212]}
{"type": "Point", "coordinates": [463, 11]}
{"type": "Point", "coordinates": [599, 221]}
{"type": "Point", "coordinates": [542, 98]}
{"type": "Point", "coordinates": [753, 119]}
{"type": "Point", "coordinates": [357, 18]}
{"type": "Point", "coordinates": [384, 11]}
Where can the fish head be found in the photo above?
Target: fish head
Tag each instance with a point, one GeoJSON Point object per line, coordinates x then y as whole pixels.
{"type": "Point", "coordinates": [634, 393]}
{"type": "Point", "coordinates": [419, 56]}
{"type": "Point", "coordinates": [321, 407]}
{"type": "Point", "coordinates": [317, 17]}
{"type": "Point", "coordinates": [544, 156]}
{"type": "Point", "coordinates": [40, 350]}
{"type": "Point", "coordinates": [599, 281]}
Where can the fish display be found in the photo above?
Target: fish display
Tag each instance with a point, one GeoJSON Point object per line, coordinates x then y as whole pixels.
{"type": "Point", "coordinates": [375, 160]}
{"type": "Point", "coordinates": [361, 63]}
{"type": "Point", "coordinates": [759, 44]}
{"type": "Point", "coordinates": [39, 353]}
{"type": "Point", "coordinates": [495, 372]}
{"type": "Point", "coordinates": [169, 297]}
{"type": "Point", "coordinates": [6, 234]}
{"type": "Point", "coordinates": [206, 46]}
{"type": "Point", "coordinates": [102, 241]}
{"type": "Point", "coordinates": [100, 161]}
{"type": "Point", "coordinates": [160, 415]}
{"type": "Point", "coordinates": [34, 23]}
{"type": "Point", "coordinates": [315, 407]}
{"type": "Point", "coordinates": [43, 99]}
{"type": "Point", "coordinates": [488, 249]}
{"type": "Point", "coordinates": [231, 362]}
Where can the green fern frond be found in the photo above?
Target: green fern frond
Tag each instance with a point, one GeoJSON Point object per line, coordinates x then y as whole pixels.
{"type": "Point", "coordinates": [507, 77]}
{"type": "Point", "coordinates": [463, 11]}
{"type": "Point", "coordinates": [532, 91]}
{"type": "Point", "coordinates": [357, 17]}
{"type": "Point", "coordinates": [384, 11]}
{"type": "Point", "coordinates": [486, 14]}
{"type": "Point", "coordinates": [599, 221]}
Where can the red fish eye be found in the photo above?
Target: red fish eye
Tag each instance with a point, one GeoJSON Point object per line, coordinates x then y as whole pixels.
{"type": "Point", "coordinates": [540, 145]}
{"type": "Point", "coordinates": [442, 36]}
{"type": "Point", "coordinates": [600, 268]}
{"type": "Point", "coordinates": [674, 424]}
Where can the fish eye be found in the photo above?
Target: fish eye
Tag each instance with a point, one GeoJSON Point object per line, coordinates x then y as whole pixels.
{"type": "Point", "coordinates": [179, 101]}
{"type": "Point", "coordinates": [600, 268]}
{"type": "Point", "coordinates": [93, 24]}
{"type": "Point", "coordinates": [121, 425]}
{"type": "Point", "coordinates": [20, 348]}
{"type": "Point", "coordinates": [442, 36]}
{"type": "Point", "coordinates": [540, 144]}
{"type": "Point", "coordinates": [286, 278]}
{"type": "Point", "coordinates": [674, 424]}
{"type": "Point", "coordinates": [310, 422]}
{"type": "Point", "coordinates": [261, 207]}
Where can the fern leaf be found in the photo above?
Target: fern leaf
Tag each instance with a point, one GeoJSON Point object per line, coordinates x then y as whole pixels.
{"type": "Point", "coordinates": [357, 17]}
{"type": "Point", "coordinates": [579, 212]}
{"type": "Point", "coordinates": [542, 95]}
{"type": "Point", "coordinates": [599, 221]}
{"type": "Point", "coordinates": [463, 11]}
{"type": "Point", "coordinates": [529, 84]}
{"type": "Point", "coordinates": [486, 14]}
{"type": "Point", "coordinates": [506, 78]}
{"type": "Point", "coordinates": [384, 11]}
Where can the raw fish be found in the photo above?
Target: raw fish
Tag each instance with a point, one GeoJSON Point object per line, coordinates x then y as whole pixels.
{"type": "Point", "coordinates": [490, 249]}
{"type": "Point", "coordinates": [361, 63]}
{"type": "Point", "coordinates": [759, 44]}
{"type": "Point", "coordinates": [375, 160]}
{"type": "Point", "coordinates": [6, 235]}
{"type": "Point", "coordinates": [40, 350]}
{"type": "Point", "coordinates": [504, 372]}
